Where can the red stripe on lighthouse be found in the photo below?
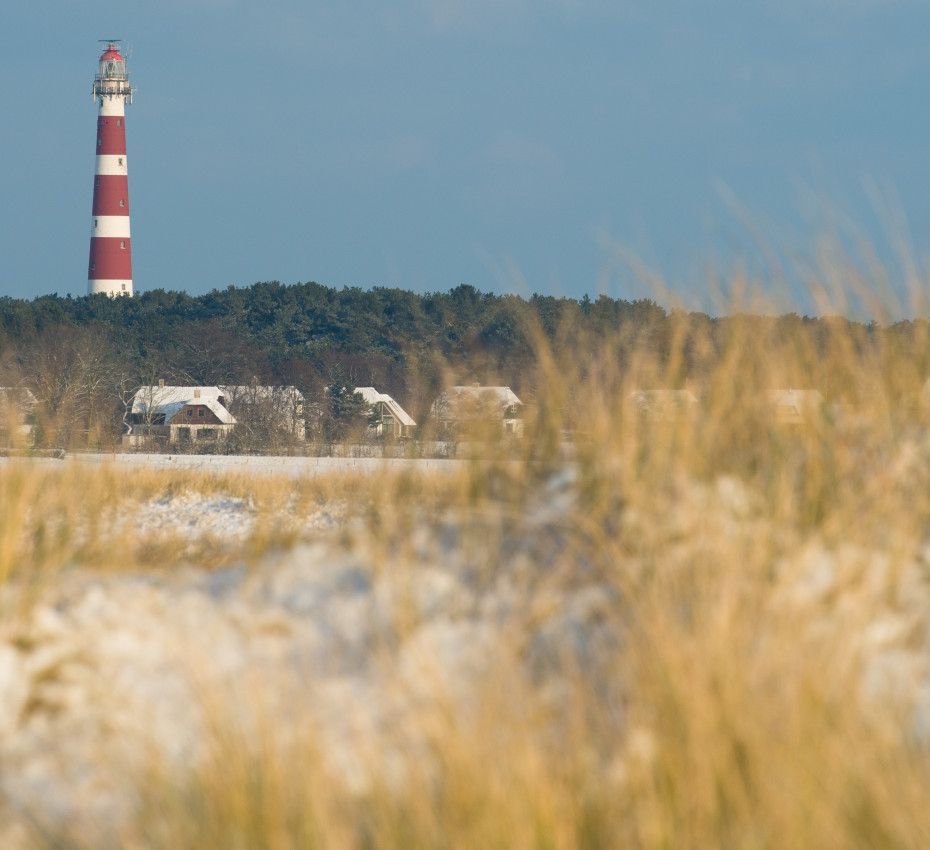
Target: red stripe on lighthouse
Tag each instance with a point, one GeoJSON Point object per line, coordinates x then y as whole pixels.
{"type": "Point", "coordinates": [109, 267]}
{"type": "Point", "coordinates": [111, 135]}
{"type": "Point", "coordinates": [111, 195]}
{"type": "Point", "coordinates": [110, 259]}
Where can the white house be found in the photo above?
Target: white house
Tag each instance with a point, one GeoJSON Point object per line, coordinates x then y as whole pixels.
{"type": "Point", "coordinates": [793, 407]}
{"type": "Point", "coordinates": [463, 406]}
{"type": "Point", "coordinates": [391, 419]}
{"type": "Point", "coordinates": [183, 414]}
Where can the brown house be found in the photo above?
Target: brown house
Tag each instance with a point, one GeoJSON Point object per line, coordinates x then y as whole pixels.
{"type": "Point", "coordinates": [200, 420]}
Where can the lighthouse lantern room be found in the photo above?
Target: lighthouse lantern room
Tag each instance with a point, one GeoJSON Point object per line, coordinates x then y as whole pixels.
{"type": "Point", "coordinates": [110, 266]}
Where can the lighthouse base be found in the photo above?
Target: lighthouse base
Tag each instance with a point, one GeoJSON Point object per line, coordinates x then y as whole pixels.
{"type": "Point", "coordinates": [113, 288]}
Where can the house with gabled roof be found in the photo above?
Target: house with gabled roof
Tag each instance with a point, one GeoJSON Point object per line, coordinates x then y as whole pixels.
{"type": "Point", "coordinates": [389, 419]}
{"type": "Point", "coordinates": [181, 414]}
{"type": "Point", "coordinates": [195, 414]}
{"type": "Point", "coordinates": [792, 406]}
{"type": "Point", "coordinates": [464, 406]}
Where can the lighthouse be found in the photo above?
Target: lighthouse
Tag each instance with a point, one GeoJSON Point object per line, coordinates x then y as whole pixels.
{"type": "Point", "coordinates": [110, 267]}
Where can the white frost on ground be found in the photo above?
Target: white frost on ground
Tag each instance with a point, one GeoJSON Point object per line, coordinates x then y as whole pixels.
{"type": "Point", "coordinates": [226, 520]}
{"type": "Point", "coordinates": [194, 515]}
{"type": "Point", "coordinates": [111, 672]}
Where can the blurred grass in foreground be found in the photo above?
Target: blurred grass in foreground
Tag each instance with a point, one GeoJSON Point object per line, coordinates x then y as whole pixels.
{"type": "Point", "coordinates": [753, 561]}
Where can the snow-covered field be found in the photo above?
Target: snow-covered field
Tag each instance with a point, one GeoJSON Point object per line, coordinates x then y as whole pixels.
{"type": "Point", "coordinates": [267, 465]}
{"type": "Point", "coordinates": [367, 643]}
{"type": "Point", "coordinates": [108, 669]}
{"type": "Point", "coordinates": [226, 519]}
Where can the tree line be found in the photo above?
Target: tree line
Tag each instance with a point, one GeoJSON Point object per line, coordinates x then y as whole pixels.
{"type": "Point", "coordinates": [82, 357]}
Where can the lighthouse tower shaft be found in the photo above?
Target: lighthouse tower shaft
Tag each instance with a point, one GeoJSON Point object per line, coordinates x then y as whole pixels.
{"type": "Point", "coordinates": [110, 266]}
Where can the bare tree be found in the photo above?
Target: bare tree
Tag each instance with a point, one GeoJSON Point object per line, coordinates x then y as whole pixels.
{"type": "Point", "coordinates": [267, 418]}
{"type": "Point", "coordinates": [72, 375]}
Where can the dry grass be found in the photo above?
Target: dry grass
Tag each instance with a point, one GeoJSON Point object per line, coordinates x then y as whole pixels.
{"type": "Point", "coordinates": [772, 581]}
{"type": "Point", "coordinates": [68, 514]}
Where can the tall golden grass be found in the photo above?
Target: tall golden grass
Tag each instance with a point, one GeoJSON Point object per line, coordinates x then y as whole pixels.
{"type": "Point", "coordinates": [766, 573]}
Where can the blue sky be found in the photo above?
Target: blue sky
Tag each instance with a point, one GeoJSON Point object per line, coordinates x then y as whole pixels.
{"type": "Point", "coordinates": [518, 145]}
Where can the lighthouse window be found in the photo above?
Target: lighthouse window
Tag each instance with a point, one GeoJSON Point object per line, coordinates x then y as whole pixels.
{"type": "Point", "coordinates": [122, 202]}
{"type": "Point", "coordinates": [124, 287]}
{"type": "Point", "coordinates": [122, 244]}
{"type": "Point", "coordinates": [119, 122]}
{"type": "Point", "coordinates": [96, 224]}
{"type": "Point", "coordinates": [120, 160]}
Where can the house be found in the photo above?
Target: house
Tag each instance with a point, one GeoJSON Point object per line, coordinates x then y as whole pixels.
{"type": "Point", "coordinates": [665, 405]}
{"type": "Point", "coordinates": [17, 415]}
{"type": "Point", "coordinates": [201, 420]}
{"type": "Point", "coordinates": [181, 414]}
{"type": "Point", "coordinates": [792, 407]}
{"type": "Point", "coordinates": [463, 407]}
{"type": "Point", "coordinates": [200, 414]}
{"type": "Point", "coordinates": [389, 418]}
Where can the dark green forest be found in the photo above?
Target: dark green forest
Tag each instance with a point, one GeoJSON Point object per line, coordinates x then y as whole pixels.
{"type": "Point", "coordinates": [404, 343]}
{"type": "Point", "coordinates": [83, 357]}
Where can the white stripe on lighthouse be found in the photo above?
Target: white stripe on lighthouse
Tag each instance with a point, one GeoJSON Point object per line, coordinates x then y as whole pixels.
{"type": "Point", "coordinates": [110, 226]}
{"type": "Point", "coordinates": [112, 105]}
{"type": "Point", "coordinates": [110, 287]}
{"type": "Point", "coordinates": [112, 165]}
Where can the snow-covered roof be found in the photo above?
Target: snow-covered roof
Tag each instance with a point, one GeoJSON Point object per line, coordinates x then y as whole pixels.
{"type": "Point", "coordinates": [158, 398]}
{"type": "Point", "coordinates": [502, 395]}
{"type": "Point", "coordinates": [372, 396]}
{"type": "Point", "coordinates": [217, 409]}
{"type": "Point", "coordinates": [167, 400]}
{"type": "Point", "coordinates": [458, 401]}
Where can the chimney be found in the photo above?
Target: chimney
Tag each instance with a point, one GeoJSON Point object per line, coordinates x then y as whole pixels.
{"type": "Point", "coordinates": [161, 383]}
{"type": "Point", "coordinates": [196, 392]}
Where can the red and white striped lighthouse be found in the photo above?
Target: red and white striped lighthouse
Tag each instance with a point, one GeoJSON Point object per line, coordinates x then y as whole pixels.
{"type": "Point", "coordinates": [110, 267]}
